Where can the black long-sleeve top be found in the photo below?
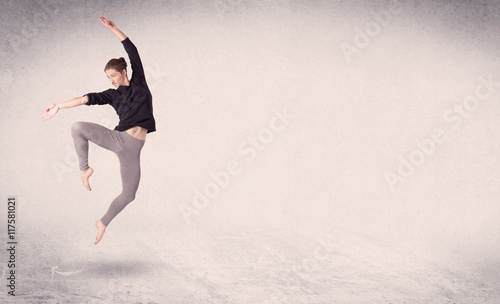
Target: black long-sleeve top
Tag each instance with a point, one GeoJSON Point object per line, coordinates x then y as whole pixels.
{"type": "Point", "coordinates": [133, 103]}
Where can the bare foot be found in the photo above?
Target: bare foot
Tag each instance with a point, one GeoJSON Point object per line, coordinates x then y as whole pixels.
{"type": "Point", "coordinates": [85, 175]}
{"type": "Point", "coordinates": [100, 231]}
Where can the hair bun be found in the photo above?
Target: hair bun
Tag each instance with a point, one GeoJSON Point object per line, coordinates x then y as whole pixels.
{"type": "Point", "coordinates": [117, 64]}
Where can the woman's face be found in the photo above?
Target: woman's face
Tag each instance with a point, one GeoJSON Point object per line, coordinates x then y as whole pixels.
{"type": "Point", "coordinates": [116, 78]}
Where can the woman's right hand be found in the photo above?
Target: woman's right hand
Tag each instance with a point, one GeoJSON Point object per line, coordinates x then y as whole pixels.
{"type": "Point", "coordinates": [50, 111]}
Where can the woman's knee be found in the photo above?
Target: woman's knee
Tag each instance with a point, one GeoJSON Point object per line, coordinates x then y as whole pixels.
{"type": "Point", "coordinates": [77, 127]}
{"type": "Point", "coordinates": [128, 196]}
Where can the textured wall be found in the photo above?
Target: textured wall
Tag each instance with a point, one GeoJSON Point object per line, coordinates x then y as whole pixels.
{"type": "Point", "coordinates": [392, 128]}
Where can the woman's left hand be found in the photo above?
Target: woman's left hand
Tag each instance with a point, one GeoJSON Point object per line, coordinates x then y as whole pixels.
{"type": "Point", "coordinates": [108, 23]}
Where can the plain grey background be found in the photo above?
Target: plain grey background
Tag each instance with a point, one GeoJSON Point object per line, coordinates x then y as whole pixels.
{"type": "Point", "coordinates": [219, 71]}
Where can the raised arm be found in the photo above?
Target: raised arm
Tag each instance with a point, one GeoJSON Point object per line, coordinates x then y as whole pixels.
{"type": "Point", "coordinates": [53, 108]}
{"type": "Point", "coordinates": [110, 24]}
{"type": "Point", "coordinates": [133, 54]}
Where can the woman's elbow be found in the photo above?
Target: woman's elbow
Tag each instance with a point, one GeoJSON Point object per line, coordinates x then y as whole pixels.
{"type": "Point", "coordinates": [84, 99]}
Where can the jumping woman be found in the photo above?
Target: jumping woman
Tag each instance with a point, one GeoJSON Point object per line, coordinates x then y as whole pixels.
{"type": "Point", "coordinates": [133, 103]}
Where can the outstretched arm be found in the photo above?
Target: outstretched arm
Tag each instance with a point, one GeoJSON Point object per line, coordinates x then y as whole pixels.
{"type": "Point", "coordinates": [109, 24]}
{"type": "Point", "coordinates": [53, 108]}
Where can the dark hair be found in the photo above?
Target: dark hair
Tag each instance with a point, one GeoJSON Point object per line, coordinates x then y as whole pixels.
{"type": "Point", "coordinates": [116, 64]}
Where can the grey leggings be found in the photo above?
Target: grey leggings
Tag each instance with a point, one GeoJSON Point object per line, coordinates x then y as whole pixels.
{"type": "Point", "coordinates": [125, 146]}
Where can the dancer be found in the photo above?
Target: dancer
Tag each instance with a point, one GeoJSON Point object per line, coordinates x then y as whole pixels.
{"type": "Point", "coordinates": [132, 102]}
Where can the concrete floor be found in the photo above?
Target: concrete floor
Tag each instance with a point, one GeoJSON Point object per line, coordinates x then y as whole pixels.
{"type": "Point", "coordinates": [239, 266]}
